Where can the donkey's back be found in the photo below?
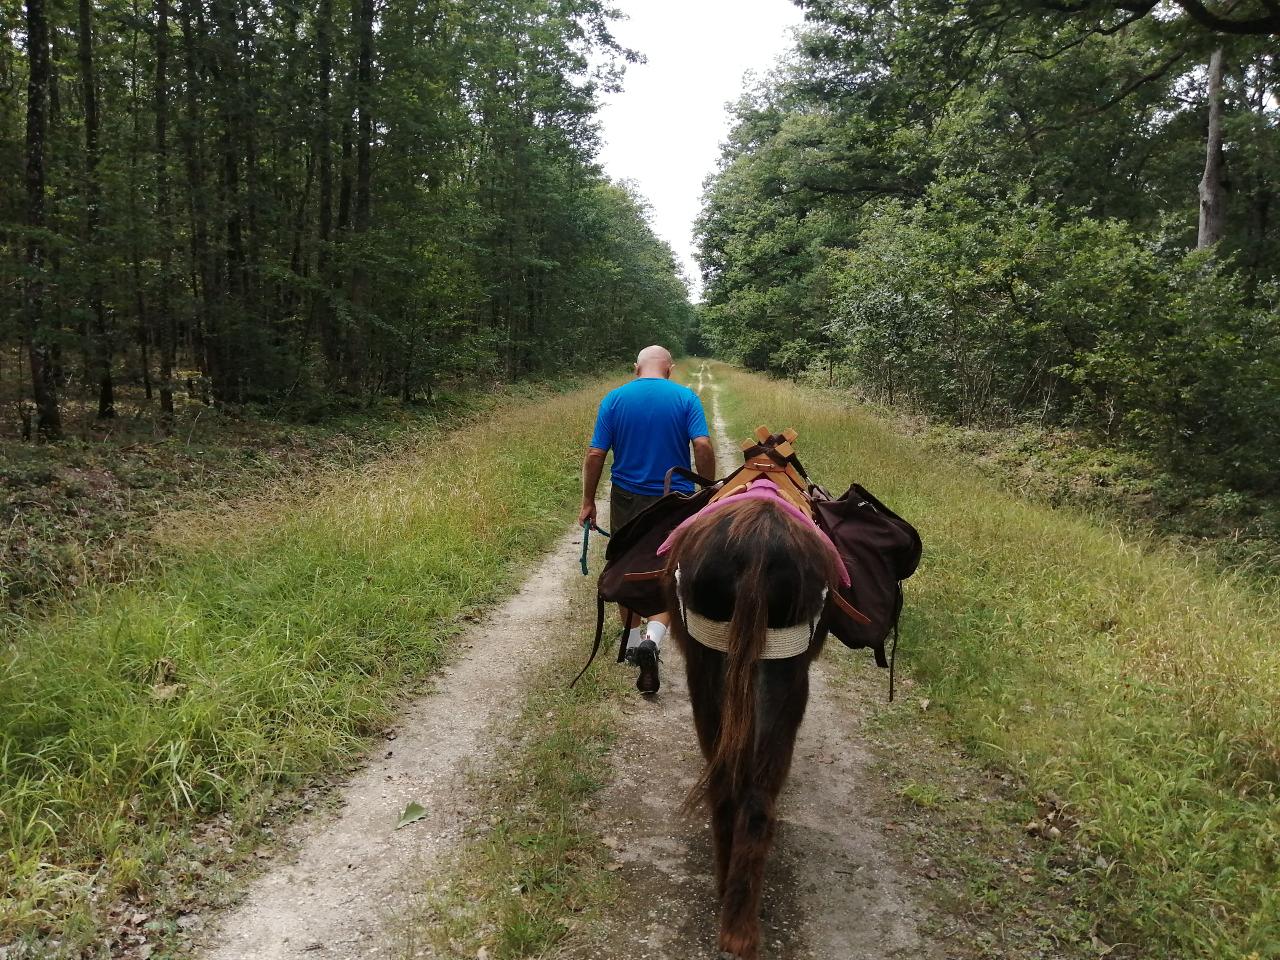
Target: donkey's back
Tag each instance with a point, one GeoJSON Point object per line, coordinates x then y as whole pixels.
{"type": "Point", "coordinates": [749, 583]}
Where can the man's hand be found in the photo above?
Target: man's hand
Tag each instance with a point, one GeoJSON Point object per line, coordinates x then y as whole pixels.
{"type": "Point", "coordinates": [592, 467]}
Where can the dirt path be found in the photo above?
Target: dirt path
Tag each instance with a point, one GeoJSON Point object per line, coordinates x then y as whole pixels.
{"type": "Point", "coordinates": [331, 896]}
{"type": "Point", "coordinates": [833, 891]}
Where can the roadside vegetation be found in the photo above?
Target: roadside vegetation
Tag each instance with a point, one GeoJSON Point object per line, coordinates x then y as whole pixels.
{"type": "Point", "coordinates": [1000, 886]}
{"type": "Point", "coordinates": [79, 514]}
{"type": "Point", "coordinates": [1118, 681]}
{"type": "Point", "coordinates": [1111, 481]}
{"type": "Point", "coordinates": [535, 869]}
{"type": "Point", "coordinates": [263, 203]}
{"type": "Point", "coordinates": [988, 214]}
{"type": "Point", "coordinates": [148, 728]}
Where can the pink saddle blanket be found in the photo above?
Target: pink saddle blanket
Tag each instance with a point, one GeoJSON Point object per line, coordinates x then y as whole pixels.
{"type": "Point", "coordinates": [761, 489]}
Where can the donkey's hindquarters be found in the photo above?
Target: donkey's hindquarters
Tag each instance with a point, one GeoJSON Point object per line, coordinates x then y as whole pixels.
{"type": "Point", "coordinates": [748, 582]}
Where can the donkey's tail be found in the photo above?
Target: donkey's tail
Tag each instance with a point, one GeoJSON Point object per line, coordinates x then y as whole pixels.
{"type": "Point", "coordinates": [734, 752]}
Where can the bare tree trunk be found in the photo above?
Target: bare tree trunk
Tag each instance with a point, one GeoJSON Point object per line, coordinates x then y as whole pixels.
{"type": "Point", "coordinates": [364, 108]}
{"type": "Point", "coordinates": [1213, 206]}
{"type": "Point", "coordinates": [321, 308]}
{"type": "Point", "coordinates": [359, 333]}
{"type": "Point", "coordinates": [93, 216]}
{"type": "Point", "coordinates": [168, 327]}
{"type": "Point", "coordinates": [228, 381]}
{"type": "Point", "coordinates": [202, 260]}
{"type": "Point", "coordinates": [143, 329]}
{"type": "Point", "coordinates": [43, 384]}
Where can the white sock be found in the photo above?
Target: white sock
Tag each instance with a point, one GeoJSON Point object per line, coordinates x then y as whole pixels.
{"type": "Point", "coordinates": [634, 636]}
{"type": "Point", "coordinates": [655, 631]}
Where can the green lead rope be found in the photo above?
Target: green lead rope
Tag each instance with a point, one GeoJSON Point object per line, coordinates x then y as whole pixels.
{"type": "Point", "coordinates": [587, 527]}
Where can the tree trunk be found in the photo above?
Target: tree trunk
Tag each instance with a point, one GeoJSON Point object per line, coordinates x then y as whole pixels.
{"type": "Point", "coordinates": [346, 179]}
{"type": "Point", "coordinates": [255, 368]}
{"type": "Point", "coordinates": [44, 387]}
{"type": "Point", "coordinates": [202, 265]}
{"type": "Point", "coordinates": [228, 379]}
{"type": "Point", "coordinates": [101, 335]}
{"type": "Point", "coordinates": [164, 306]}
{"type": "Point", "coordinates": [1213, 206]}
{"type": "Point", "coordinates": [359, 334]}
{"type": "Point", "coordinates": [321, 309]}
{"type": "Point", "coordinates": [364, 108]}
{"type": "Point", "coordinates": [142, 329]}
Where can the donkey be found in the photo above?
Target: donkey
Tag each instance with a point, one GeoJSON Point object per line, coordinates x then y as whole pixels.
{"type": "Point", "coordinates": [749, 583]}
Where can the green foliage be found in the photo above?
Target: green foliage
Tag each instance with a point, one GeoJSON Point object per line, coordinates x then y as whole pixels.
{"type": "Point", "coordinates": [331, 198]}
{"type": "Point", "coordinates": [986, 312]}
{"type": "Point", "coordinates": [988, 218]}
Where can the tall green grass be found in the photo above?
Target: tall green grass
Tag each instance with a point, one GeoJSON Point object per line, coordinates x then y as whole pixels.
{"type": "Point", "coordinates": [278, 639]}
{"type": "Point", "coordinates": [1138, 686]}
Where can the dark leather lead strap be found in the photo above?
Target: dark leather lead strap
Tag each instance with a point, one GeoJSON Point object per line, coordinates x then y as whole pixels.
{"type": "Point", "coordinates": [893, 651]}
{"type": "Point", "coordinates": [697, 478]}
{"type": "Point", "coordinates": [893, 658]}
{"type": "Point", "coordinates": [595, 644]}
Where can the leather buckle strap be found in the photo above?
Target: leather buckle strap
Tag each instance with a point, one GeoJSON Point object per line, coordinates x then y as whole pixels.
{"type": "Point", "coordinates": [643, 575]}
{"type": "Point", "coordinates": [769, 450]}
{"type": "Point", "coordinates": [847, 608]}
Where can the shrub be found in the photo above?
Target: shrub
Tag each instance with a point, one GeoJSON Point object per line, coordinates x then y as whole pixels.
{"type": "Point", "coordinates": [985, 312]}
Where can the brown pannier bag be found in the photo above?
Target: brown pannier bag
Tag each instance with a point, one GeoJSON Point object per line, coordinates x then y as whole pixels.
{"type": "Point", "coordinates": [880, 550]}
{"type": "Point", "coordinates": [632, 574]}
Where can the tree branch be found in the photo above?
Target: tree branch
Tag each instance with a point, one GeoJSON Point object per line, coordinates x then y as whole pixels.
{"type": "Point", "coordinates": [1256, 26]}
{"type": "Point", "coordinates": [1127, 89]}
{"type": "Point", "coordinates": [1194, 9]}
{"type": "Point", "coordinates": [1093, 32]}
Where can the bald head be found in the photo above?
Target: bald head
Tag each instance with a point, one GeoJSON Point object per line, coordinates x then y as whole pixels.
{"type": "Point", "coordinates": [654, 361]}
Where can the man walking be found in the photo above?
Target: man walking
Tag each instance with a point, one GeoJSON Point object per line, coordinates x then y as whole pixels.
{"type": "Point", "coordinates": [649, 424]}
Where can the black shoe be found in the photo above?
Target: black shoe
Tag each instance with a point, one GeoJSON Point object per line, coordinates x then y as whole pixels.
{"type": "Point", "coordinates": [647, 660]}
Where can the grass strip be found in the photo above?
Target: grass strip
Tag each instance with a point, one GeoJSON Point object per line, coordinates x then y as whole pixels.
{"type": "Point", "coordinates": [536, 869]}
{"type": "Point", "coordinates": [278, 640]}
{"type": "Point", "coordinates": [81, 514]}
{"type": "Point", "coordinates": [1141, 690]}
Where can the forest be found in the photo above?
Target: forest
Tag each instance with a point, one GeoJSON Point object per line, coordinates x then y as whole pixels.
{"type": "Point", "coordinates": [239, 201]}
{"type": "Point", "coordinates": [1001, 212]}
{"type": "Point", "coordinates": [306, 311]}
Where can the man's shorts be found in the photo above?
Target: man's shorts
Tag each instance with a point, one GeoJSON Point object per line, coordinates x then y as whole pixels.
{"type": "Point", "coordinates": [623, 505]}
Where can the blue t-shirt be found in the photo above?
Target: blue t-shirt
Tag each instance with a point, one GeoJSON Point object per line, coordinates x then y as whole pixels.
{"type": "Point", "coordinates": [648, 424]}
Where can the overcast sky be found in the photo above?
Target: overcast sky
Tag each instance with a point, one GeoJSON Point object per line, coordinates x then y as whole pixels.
{"type": "Point", "coordinates": [665, 128]}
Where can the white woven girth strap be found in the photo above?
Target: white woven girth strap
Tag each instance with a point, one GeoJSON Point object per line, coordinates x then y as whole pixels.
{"type": "Point", "coordinates": [779, 643]}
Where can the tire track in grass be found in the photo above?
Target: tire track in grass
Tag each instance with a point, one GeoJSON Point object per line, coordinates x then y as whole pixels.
{"type": "Point", "coordinates": [832, 889]}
